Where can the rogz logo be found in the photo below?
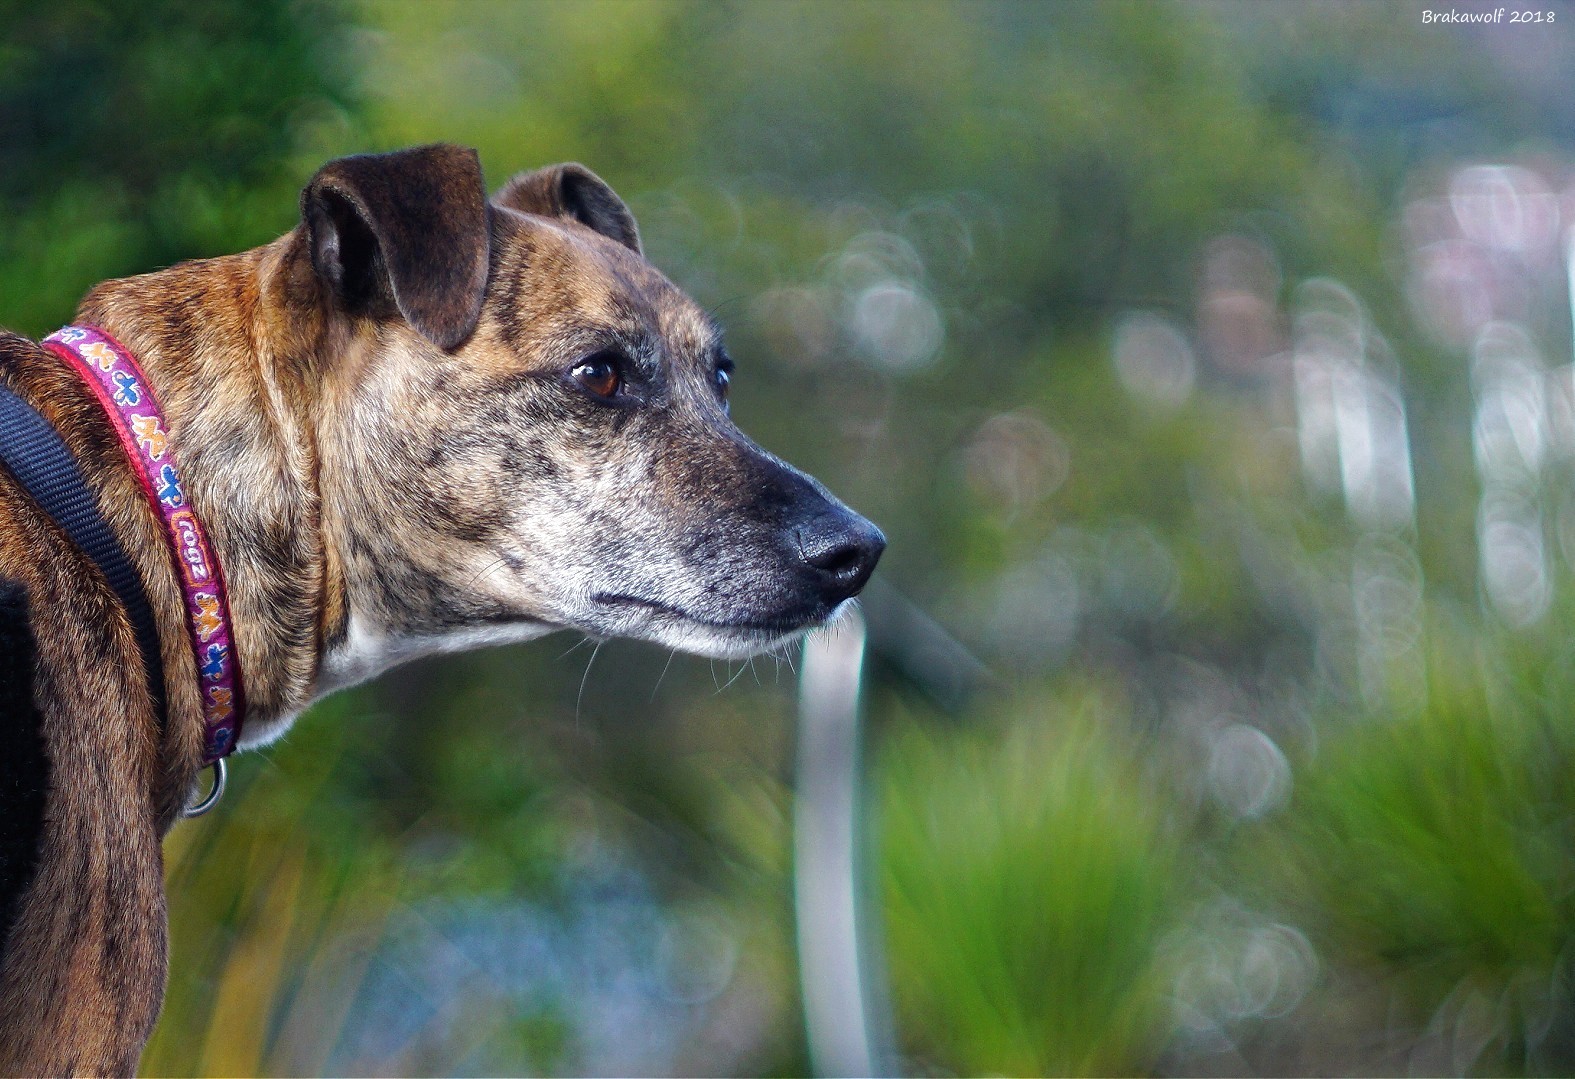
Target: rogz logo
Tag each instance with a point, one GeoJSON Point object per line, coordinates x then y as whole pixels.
{"type": "Point", "coordinates": [189, 548]}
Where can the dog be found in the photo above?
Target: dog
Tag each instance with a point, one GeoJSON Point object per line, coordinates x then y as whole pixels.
{"type": "Point", "coordinates": [423, 420]}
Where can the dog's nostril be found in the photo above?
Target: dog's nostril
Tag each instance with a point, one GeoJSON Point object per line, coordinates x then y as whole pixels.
{"type": "Point", "coordinates": [838, 560]}
{"type": "Point", "coordinates": [845, 558]}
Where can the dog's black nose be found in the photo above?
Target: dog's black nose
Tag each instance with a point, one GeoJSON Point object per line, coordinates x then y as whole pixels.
{"type": "Point", "coordinates": [841, 550]}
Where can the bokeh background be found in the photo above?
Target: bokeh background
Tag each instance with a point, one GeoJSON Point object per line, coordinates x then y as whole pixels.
{"type": "Point", "coordinates": [1209, 368]}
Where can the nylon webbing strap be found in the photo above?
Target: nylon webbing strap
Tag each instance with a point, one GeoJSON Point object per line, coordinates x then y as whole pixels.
{"type": "Point", "coordinates": [40, 461]}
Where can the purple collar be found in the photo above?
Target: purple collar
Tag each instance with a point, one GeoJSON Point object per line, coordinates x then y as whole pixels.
{"type": "Point", "coordinates": [111, 372]}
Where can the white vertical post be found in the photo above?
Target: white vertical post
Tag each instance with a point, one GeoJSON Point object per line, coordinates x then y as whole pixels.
{"type": "Point", "coordinates": [1569, 269]}
{"type": "Point", "coordinates": [837, 984]}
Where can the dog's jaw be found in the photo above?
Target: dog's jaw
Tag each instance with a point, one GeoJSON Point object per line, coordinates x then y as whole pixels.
{"type": "Point", "coordinates": [673, 626]}
{"type": "Point", "coordinates": [367, 651]}
{"type": "Point", "coordinates": [717, 643]}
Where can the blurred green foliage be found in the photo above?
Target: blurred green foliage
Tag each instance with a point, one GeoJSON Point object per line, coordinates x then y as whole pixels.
{"type": "Point", "coordinates": [135, 135]}
{"type": "Point", "coordinates": [1226, 807]}
{"type": "Point", "coordinates": [1435, 851]}
{"type": "Point", "coordinates": [1026, 927]}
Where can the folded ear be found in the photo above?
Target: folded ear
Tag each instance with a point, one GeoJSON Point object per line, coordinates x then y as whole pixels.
{"type": "Point", "coordinates": [575, 192]}
{"type": "Point", "coordinates": [407, 228]}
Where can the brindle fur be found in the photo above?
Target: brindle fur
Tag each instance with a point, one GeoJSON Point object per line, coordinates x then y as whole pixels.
{"type": "Point", "coordinates": [376, 418]}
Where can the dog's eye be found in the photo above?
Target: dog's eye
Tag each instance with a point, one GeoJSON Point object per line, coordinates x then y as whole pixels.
{"type": "Point", "coordinates": [599, 374]}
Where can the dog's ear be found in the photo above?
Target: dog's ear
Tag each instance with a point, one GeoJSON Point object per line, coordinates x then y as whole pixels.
{"type": "Point", "coordinates": [575, 192]}
{"type": "Point", "coordinates": [408, 227]}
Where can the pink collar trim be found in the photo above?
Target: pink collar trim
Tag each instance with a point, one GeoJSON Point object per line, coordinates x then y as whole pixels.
{"type": "Point", "coordinates": [111, 372]}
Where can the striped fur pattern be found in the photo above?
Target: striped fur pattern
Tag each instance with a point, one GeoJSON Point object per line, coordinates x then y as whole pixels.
{"type": "Point", "coordinates": [385, 421]}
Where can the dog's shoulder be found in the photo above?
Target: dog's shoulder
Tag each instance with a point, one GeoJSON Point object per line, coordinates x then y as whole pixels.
{"type": "Point", "coordinates": [37, 375]}
{"type": "Point", "coordinates": [19, 355]}
{"type": "Point", "coordinates": [82, 916]}
{"type": "Point", "coordinates": [14, 341]}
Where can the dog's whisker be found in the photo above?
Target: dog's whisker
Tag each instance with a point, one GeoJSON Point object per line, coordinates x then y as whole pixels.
{"type": "Point", "coordinates": [584, 678]}
{"type": "Point", "coordinates": [576, 646]}
{"type": "Point", "coordinates": [671, 654]}
{"type": "Point", "coordinates": [741, 669]}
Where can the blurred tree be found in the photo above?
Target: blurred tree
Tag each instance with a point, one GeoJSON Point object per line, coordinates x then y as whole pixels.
{"type": "Point", "coordinates": [134, 135]}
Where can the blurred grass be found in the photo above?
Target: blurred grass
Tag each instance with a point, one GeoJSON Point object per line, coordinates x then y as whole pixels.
{"type": "Point", "coordinates": [1435, 852]}
{"type": "Point", "coordinates": [1025, 927]}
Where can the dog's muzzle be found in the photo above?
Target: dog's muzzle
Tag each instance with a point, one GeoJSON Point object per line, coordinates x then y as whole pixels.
{"type": "Point", "coordinates": [777, 555]}
{"type": "Point", "coordinates": [821, 552]}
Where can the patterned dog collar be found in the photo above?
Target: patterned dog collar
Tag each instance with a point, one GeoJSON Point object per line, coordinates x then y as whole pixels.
{"type": "Point", "coordinates": [118, 383]}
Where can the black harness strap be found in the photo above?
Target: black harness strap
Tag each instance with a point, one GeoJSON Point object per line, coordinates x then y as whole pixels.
{"type": "Point", "coordinates": [42, 463]}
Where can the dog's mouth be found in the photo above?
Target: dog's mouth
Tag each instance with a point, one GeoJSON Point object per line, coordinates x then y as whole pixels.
{"type": "Point", "coordinates": [790, 622]}
{"type": "Point", "coordinates": [717, 637]}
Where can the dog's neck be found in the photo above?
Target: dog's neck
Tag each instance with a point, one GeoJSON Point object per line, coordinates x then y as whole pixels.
{"type": "Point", "coordinates": [228, 345]}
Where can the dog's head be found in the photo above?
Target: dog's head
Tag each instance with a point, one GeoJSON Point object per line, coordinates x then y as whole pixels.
{"type": "Point", "coordinates": [524, 425]}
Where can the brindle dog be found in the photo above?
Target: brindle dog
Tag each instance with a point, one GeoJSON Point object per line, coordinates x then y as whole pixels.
{"type": "Point", "coordinates": [421, 421]}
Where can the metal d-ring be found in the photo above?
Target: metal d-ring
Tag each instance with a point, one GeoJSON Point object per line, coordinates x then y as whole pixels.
{"type": "Point", "coordinates": [197, 809]}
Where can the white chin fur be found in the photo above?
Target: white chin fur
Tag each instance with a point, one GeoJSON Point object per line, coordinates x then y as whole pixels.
{"type": "Point", "coordinates": [715, 643]}
{"type": "Point", "coordinates": [366, 653]}
{"type": "Point", "coordinates": [712, 642]}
